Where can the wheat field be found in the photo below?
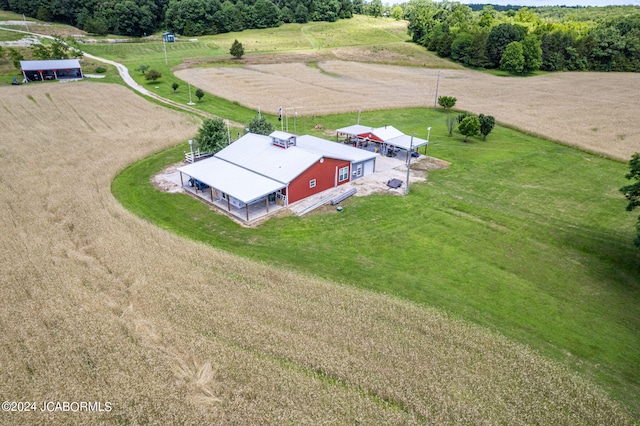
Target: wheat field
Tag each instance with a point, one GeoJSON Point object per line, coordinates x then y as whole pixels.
{"type": "Point", "coordinates": [592, 111]}
{"type": "Point", "coordinates": [99, 305]}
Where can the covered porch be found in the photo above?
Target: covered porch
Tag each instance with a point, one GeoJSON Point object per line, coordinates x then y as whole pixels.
{"type": "Point", "coordinates": [235, 191]}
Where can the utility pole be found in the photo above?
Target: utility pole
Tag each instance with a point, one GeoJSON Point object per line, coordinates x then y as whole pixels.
{"type": "Point", "coordinates": [164, 44]}
{"type": "Point", "coordinates": [406, 188]}
{"type": "Point", "coordinates": [190, 102]}
{"type": "Point", "coordinates": [435, 101]}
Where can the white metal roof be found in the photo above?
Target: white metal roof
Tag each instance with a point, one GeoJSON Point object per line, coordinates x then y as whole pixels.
{"type": "Point", "coordinates": [240, 183]}
{"type": "Point", "coordinates": [385, 133]}
{"type": "Point", "coordinates": [356, 129]}
{"type": "Point", "coordinates": [53, 64]}
{"type": "Point", "coordinates": [281, 135]}
{"type": "Point", "coordinates": [334, 149]}
{"type": "Point", "coordinates": [257, 153]}
{"type": "Point", "coordinates": [405, 142]}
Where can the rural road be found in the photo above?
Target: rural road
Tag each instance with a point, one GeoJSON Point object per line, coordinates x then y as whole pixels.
{"type": "Point", "coordinates": [126, 77]}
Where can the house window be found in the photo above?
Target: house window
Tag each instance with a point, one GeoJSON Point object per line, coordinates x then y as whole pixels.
{"type": "Point", "coordinates": [344, 174]}
{"type": "Point", "coordinates": [359, 170]}
{"type": "Point", "coordinates": [312, 183]}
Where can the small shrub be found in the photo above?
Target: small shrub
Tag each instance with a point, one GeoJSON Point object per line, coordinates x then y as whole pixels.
{"type": "Point", "coordinates": [101, 70]}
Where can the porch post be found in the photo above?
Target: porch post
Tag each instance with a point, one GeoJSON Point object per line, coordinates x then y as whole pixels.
{"type": "Point", "coordinates": [246, 208]}
{"type": "Point", "coordinates": [181, 182]}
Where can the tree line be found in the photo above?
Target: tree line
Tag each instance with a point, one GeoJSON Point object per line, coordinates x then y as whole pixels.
{"type": "Point", "coordinates": [529, 39]}
{"type": "Point", "coordinates": [186, 17]}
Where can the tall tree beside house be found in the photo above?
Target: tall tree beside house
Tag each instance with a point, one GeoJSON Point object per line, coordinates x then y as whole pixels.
{"type": "Point", "coordinates": [212, 136]}
{"type": "Point", "coordinates": [261, 126]}
{"type": "Point", "coordinates": [237, 49]}
{"type": "Point", "coordinates": [632, 192]}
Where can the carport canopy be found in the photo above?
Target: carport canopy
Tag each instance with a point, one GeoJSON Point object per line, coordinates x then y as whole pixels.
{"type": "Point", "coordinates": [355, 130]}
{"type": "Point", "coordinates": [50, 64]}
{"type": "Point", "coordinates": [241, 184]}
{"type": "Point", "coordinates": [405, 142]}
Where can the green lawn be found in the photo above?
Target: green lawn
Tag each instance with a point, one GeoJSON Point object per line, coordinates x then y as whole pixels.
{"type": "Point", "coordinates": [521, 235]}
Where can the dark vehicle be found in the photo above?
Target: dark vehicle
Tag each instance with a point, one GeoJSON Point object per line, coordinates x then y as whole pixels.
{"type": "Point", "coordinates": [199, 185]}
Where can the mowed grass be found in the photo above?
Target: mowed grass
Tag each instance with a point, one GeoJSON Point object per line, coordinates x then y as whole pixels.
{"type": "Point", "coordinates": [360, 30]}
{"type": "Point", "coordinates": [97, 304]}
{"type": "Point", "coordinates": [520, 235]}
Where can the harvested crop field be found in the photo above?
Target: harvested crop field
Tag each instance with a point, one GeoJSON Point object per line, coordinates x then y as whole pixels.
{"type": "Point", "coordinates": [592, 111]}
{"type": "Point", "coordinates": [98, 305]}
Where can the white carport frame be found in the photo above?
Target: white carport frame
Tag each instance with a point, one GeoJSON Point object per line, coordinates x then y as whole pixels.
{"type": "Point", "coordinates": [236, 182]}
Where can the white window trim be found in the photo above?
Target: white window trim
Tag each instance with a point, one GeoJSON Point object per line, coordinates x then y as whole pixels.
{"type": "Point", "coordinates": [312, 183]}
{"type": "Point", "coordinates": [343, 176]}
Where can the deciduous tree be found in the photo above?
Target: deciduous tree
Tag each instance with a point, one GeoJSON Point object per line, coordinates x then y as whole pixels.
{"type": "Point", "coordinates": [513, 58]}
{"type": "Point", "coordinates": [470, 126]}
{"type": "Point", "coordinates": [261, 126]}
{"type": "Point", "coordinates": [199, 94]}
{"type": "Point", "coordinates": [446, 102]}
{"type": "Point", "coordinates": [532, 53]}
{"type": "Point", "coordinates": [500, 37]}
{"type": "Point", "coordinates": [632, 192]}
{"type": "Point", "coordinates": [175, 86]}
{"type": "Point", "coordinates": [487, 122]}
{"type": "Point", "coordinates": [152, 75]}
{"type": "Point", "coordinates": [396, 12]}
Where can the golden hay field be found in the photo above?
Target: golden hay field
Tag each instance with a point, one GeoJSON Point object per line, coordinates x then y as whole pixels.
{"type": "Point", "coordinates": [592, 111]}
{"type": "Point", "coordinates": [99, 305]}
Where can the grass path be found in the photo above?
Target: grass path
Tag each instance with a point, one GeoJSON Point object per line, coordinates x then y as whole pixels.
{"type": "Point", "coordinates": [315, 44]}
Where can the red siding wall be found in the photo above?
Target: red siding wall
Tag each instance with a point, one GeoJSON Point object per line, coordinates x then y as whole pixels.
{"type": "Point", "coordinates": [325, 174]}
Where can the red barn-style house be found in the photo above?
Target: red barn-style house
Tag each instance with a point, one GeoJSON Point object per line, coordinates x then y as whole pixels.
{"type": "Point", "coordinates": [258, 173]}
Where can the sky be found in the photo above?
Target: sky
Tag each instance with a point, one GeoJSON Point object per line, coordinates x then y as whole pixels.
{"type": "Point", "coordinates": [554, 2]}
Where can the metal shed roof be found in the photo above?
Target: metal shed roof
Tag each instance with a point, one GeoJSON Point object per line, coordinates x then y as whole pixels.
{"type": "Point", "coordinates": [334, 149]}
{"type": "Point", "coordinates": [53, 64]}
{"type": "Point", "coordinates": [405, 142]}
{"type": "Point", "coordinates": [257, 153]}
{"type": "Point", "coordinates": [385, 133]}
{"type": "Point", "coordinates": [240, 183]}
{"type": "Point", "coordinates": [354, 130]}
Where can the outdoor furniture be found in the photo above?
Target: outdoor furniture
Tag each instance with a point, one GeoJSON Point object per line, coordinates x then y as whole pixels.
{"type": "Point", "coordinates": [394, 183]}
